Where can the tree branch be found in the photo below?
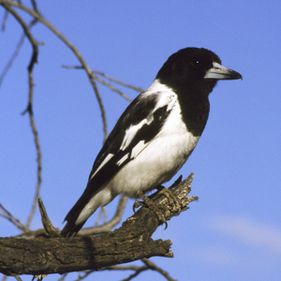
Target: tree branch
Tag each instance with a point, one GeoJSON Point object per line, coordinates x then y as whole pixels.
{"type": "Point", "coordinates": [29, 108]}
{"type": "Point", "coordinates": [9, 216]}
{"type": "Point", "coordinates": [73, 49]}
{"type": "Point", "coordinates": [132, 241]}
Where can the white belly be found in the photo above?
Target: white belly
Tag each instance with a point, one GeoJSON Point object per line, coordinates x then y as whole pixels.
{"type": "Point", "coordinates": [159, 160]}
{"type": "Point", "coordinates": [154, 165]}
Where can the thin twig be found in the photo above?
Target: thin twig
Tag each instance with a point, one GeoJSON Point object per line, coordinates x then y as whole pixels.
{"type": "Point", "coordinates": [151, 265]}
{"type": "Point", "coordinates": [4, 21]}
{"type": "Point", "coordinates": [104, 82]}
{"type": "Point", "coordinates": [29, 108]}
{"type": "Point", "coordinates": [75, 52]}
{"type": "Point", "coordinates": [48, 226]}
{"type": "Point", "coordinates": [19, 45]}
{"type": "Point", "coordinates": [11, 60]}
{"type": "Point", "coordinates": [18, 278]}
{"type": "Point", "coordinates": [82, 276]}
{"type": "Point", "coordinates": [114, 80]}
{"type": "Point", "coordinates": [112, 88]}
{"type": "Point", "coordinates": [63, 276]}
{"type": "Point", "coordinates": [15, 53]}
{"type": "Point", "coordinates": [35, 6]}
{"type": "Point", "coordinates": [136, 273]}
{"type": "Point", "coordinates": [4, 213]}
{"type": "Point", "coordinates": [111, 223]}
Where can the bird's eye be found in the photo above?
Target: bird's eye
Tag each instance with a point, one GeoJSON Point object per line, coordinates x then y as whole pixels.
{"type": "Point", "coordinates": [195, 63]}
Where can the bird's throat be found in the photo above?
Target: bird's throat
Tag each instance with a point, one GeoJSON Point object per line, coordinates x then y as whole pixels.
{"type": "Point", "coordinates": [195, 112]}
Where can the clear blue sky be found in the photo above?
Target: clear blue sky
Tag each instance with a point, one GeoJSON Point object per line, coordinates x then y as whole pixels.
{"type": "Point", "coordinates": [234, 231]}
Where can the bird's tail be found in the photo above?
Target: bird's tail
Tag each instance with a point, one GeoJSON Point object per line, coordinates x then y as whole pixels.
{"type": "Point", "coordinates": [73, 225]}
{"type": "Point", "coordinates": [71, 229]}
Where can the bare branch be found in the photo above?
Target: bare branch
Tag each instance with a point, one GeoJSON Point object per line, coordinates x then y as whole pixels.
{"type": "Point", "coordinates": [136, 273]}
{"type": "Point", "coordinates": [29, 108]}
{"type": "Point", "coordinates": [119, 82]}
{"type": "Point", "coordinates": [48, 226]}
{"type": "Point", "coordinates": [151, 265]}
{"type": "Point", "coordinates": [111, 223]}
{"type": "Point", "coordinates": [73, 49]}
{"type": "Point", "coordinates": [19, 45]}
{"type": "Point", "coordinates": [132, 241]}
{"type": "Point", "coordinates": [18, 278]}
{"type": "Point", "coordinates": [112, 88]}
{"type": "Point", "coordinates": [12, 59]}
{"type": "Point", "coordinates": [16, 222]}
{"type": "Point", "coordinates": [4, 20]}
{"type": "Point", "coordinates": [84, 275]}
{"type": "Point", "coordinates": [101, 81]}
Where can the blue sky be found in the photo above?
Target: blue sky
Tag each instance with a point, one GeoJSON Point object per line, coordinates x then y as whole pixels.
{"type": "Point", "coordinates": [234, 231]}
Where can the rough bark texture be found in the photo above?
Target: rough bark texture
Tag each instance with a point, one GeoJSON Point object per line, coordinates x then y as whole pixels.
{"type": "Point", "coordinates": [132, 241]}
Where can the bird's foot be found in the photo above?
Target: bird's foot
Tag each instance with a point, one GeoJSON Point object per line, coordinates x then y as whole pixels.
{"type": "Point", "coordinates": [39, 277]}
{"type": "Point", "coordinates": [172, 199]}
{"type": "Point", "coordinates": [149, 203]}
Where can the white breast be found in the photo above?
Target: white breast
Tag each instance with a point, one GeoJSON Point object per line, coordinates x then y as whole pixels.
{"type": "Point", "coordinates": [160, 159]}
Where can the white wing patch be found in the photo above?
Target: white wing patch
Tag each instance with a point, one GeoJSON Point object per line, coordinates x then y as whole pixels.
{"type": "Point", "coordinates": [133, 130]}
{"type": "Point", "coordinates": [166, 97]}
{"type": "Point", "coordinates": [138, 148]}
{"type": "Point", "coordinates": [124, 158]}
{"type": "Point", "coordinates": [106, 159]}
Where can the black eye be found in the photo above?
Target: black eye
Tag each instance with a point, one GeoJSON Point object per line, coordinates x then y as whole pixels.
{"type": "Point", "coordinates": [195, 63]}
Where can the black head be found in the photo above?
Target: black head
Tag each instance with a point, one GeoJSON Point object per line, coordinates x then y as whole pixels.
{"type": "Point", "coordinates": [194, 70]}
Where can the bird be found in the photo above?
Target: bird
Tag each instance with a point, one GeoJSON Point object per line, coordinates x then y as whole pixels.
{"type": "Point", "coordinates": [155, 135]}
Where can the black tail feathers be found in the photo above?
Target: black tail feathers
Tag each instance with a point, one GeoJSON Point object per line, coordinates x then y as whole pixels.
{"type": "Point", "coordinates": [71, 229]}
{"type": "Point", "coordinates": [72, 226]}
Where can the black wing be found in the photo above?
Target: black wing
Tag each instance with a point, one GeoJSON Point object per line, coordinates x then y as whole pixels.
{"type": "Point", "coordinates": [140, 122]}
{"type": "Point", "coordinates": [147, 119]}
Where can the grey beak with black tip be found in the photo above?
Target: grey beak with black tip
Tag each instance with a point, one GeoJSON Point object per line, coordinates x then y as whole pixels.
{"type": "Point", "coordinates": [220, 72]}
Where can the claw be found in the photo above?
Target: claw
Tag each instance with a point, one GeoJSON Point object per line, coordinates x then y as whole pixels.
{"type": "Point", "coordinates": [173, 200]}
{"type": "Point", "coordinates": [177, 181]}
{"type": "Point", "coordinates": [137, 204]}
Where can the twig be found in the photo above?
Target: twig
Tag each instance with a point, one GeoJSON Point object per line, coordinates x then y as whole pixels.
{"type": "Point", "coordinates": [4, 21]}
{"type": "Point", "coordinates": [48, 226]}
{"type": "Point", "coordinates": [63, 276]}
{"type": "Point", "coordinates": [111, 223]}
{"type": "Point", "coordinates": [18, 278]}
{"type": "Point", "coordinates": [11, 60]}
{"type": "Point", "coordinates": [136, 273]}
{"type": "Point", "coordinates": [29, 108]}
{"type": "Point", "coordinates": [114, 80]}
{"type": "Point", "coordinates": [82, 276]}
{"type": "Point", "coordinates": [104, 82]}
{"type": "Point", "coordinates": [112, 88]}
{"type": "Point", "coordinates": [73, 49]}
{"type": "Point", "coordinates": [35, 6]}
{"type": "Point", "coordinates": [19, 45]}
{"type": "Point", "coordinates": [151, 265]}
{"type": "Point", "coordinates": [16, 222]}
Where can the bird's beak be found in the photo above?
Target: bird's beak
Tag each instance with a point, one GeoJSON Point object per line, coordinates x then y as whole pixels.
{"type": "Point", "coordinates": [220, 72]}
